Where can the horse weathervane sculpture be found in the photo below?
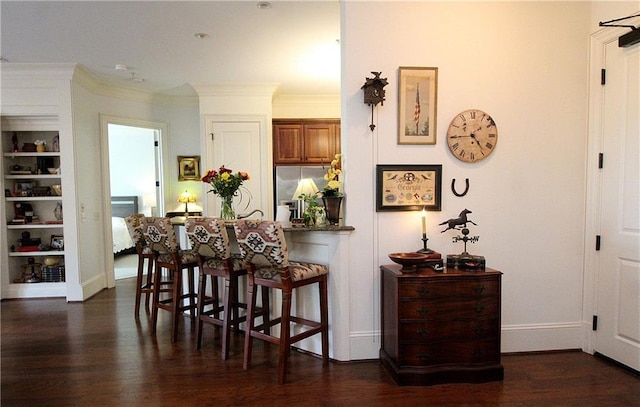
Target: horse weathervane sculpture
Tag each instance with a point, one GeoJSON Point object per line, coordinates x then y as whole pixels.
{"type": "Point", "coordinates": [464, 260]}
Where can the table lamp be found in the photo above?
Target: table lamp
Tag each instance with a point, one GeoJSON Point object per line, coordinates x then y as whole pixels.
{"type": "Point", "coordinates": [186, 198]}
{"type": "Point", "coordinates": [306, 187]}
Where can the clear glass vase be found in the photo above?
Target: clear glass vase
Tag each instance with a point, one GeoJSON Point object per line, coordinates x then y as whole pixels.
{"type": "Point", "coordinates": [226, 210]}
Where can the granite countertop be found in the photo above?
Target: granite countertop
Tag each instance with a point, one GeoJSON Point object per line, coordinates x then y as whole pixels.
{"type": "Point", "coordinates": [328, 228]}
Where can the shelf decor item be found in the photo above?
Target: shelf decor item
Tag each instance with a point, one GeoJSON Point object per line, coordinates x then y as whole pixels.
{"type": "Point", "coordinates": [227, 185]}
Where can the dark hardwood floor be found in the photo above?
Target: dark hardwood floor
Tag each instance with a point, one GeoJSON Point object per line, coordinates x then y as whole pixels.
{"type": "Point", "coordinates": [96, 354]}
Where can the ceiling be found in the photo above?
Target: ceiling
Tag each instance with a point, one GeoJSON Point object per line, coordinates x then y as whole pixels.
{"type": "Point", "coordinates": [294, 44]}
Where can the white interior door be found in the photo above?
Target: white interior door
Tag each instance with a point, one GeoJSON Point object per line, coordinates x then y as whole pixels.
{"type": "Point", "coordinates": [618, 282]}
{"type": "Point", "coordinates": [240, 146]}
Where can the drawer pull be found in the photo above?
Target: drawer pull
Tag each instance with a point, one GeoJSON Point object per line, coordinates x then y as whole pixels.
{"type": "Point", "coordinates": [423, 312]}
{"type": "Point", "coordinates": [423, 290]}
{"type": "Point", "coordinates": [478, 330]}
{"type": "Point", "coordinates": [424, 356]}
{"type": "Point", "coordinates": [423, 332]}
{"type": "Point", "coordinates": [477, 353]}
{"type": "Point", "coordinates": [479, 308]}
{"type": "Point", "coordinates": [479, 289]}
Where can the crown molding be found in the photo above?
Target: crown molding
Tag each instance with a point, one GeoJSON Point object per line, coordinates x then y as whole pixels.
{"type": "Point", "coordinates": [237, 90]}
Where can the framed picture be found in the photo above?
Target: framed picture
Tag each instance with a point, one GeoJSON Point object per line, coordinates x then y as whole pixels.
{"type": "Point", "coordinates": [417, 105]}
{"type": "Point", "coordinates": [189, 168]}
{"type": "Point", "coordinates": [408, 187]}
{"type": "Point", "coordinates": [57, 242]}
{"type": "Point", "coordinates": [24, 188]}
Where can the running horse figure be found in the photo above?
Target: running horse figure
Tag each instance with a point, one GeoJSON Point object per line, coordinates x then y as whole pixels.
{"type": "Point", "coordinates": [459, 221]}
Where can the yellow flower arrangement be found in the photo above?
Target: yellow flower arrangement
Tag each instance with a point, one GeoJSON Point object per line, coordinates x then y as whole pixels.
{"type": "Point", "coordinates": [333, 178]}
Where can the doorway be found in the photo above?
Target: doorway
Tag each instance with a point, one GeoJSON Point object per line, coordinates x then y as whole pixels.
{"type": "Point", "coordinates": [133, 168]}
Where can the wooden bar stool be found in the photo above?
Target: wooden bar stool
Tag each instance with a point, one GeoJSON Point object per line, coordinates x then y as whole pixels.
{"type": "Point", "coordinates": [209, 239]}
{"type": "Point", "coordinates": [161, 238]}
{"type": "Point", "coordinates": [144, 281]}
{"type": "Point", "coordinates": [266, 256]}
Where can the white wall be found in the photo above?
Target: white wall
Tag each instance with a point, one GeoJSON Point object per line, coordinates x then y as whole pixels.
{"type": "Point", "coordinates": [525, 63]}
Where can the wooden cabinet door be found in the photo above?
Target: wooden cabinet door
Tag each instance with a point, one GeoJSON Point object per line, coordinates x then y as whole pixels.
{"type": "Point", "coordinates": [319, 143]}
{"type": "Point", "coordinates": [288, 144]}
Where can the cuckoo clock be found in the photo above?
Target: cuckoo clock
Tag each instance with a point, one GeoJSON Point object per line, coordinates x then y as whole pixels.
{"type": "Point", "coordinates": [374, 92]}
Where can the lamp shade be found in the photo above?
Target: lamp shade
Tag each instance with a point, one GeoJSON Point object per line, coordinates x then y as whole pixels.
{"type": "Point", "coordinates": [306, 186]}
{"type": "Point", "coordinates": [187, 198]}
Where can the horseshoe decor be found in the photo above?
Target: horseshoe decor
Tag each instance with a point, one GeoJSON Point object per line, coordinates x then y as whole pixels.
{"type": "Point", "coordinates": [453, 187]}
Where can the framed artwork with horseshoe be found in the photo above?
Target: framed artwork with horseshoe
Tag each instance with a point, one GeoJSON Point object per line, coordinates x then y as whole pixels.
{"type": "Point", "coordinates": [408, 187]}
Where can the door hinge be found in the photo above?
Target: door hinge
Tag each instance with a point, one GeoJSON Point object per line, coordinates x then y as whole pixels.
{"type": "Point", "coordinates": [594, 323]}
{"type": "Point", "coordinates": [155, 143]}
{"type": "Point", "coordinates": [157, 183]}
{"type": "Point", "coordinates": [600, 160]}
{"type": "Point", "coordinates": [212, 137]}
{"type": "Point", "coordinates": [598, 242]}
{"type": "Point", "coordinates": [603, 76]}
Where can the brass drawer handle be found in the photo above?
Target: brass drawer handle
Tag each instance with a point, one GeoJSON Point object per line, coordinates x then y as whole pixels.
{"type": "Point", "coordinates": [424, 356]}
{"type": "Point", "coordinates": [423, 290]}
{"type": "Point", "coordinates": [422, 311]}
{"type": "Point", "coordinates": [478, 330]}
{"type": "Point", "coordinates": [479, 289]}
{"type": "Point", "coordinates": [479, 308]}
{"type": "Point", "coordinates": [423, 332]}
{"type": "Point", "coordinates": [478, 353]}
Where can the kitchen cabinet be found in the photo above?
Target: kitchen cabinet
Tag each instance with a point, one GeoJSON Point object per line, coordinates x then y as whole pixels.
{"type": "Point", "coordinates": [441, 327]}
{"type": "Point", "coordinates": [305, 141]}
{"type": "Point", "coordinates": [33, 213]}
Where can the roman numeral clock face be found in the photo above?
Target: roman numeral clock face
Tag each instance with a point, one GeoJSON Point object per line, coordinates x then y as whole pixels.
{"type": "Point", "coordinates": [472, 135]}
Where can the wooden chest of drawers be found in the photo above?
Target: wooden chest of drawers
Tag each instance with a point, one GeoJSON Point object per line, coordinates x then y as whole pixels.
{"type": "Point", "coordinates": [441, 327]}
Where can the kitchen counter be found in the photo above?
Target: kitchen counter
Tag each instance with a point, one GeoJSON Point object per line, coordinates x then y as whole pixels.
{"type": "Point", "coordinates": [329, 228]}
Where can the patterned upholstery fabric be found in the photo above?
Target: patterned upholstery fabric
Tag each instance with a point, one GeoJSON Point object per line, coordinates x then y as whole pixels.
{"type": "Point", "coordinates": [134, 226]}
{"type": "Point", "coordinates": [160, 237]}
{"type": "Point", "coordinates": [159, 234]}
{"type": "Point", "coordinates": [208, 237]}
{"type": "Point", "coordinates": [263, 244]}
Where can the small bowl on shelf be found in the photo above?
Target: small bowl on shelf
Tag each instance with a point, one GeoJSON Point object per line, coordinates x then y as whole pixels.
{"type": "Point", "coordinates": [57, 189]}
{"type": "Point", "coordinates": [409, 261]}
{"type": "Point", "coordinates": [52, 170]}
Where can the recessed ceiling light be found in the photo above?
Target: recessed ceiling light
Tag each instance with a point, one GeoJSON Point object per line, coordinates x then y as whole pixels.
{"type": "Point", "coordinates": [263, 5]}
{"type": "Point", "coordinates": [121, 67]}
{"type": "Point", "coordinates": [201, 36]}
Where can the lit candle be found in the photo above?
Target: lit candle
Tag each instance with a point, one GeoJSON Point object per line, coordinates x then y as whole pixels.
{"type": "Point", "coordinates": [424, 221]}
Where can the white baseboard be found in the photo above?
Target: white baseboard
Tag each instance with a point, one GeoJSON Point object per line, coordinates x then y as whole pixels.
{"type": "Point", "coordinates": [541, 337]}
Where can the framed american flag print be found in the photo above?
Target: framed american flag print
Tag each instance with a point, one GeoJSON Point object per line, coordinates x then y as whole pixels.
{"type": "Point", "coordinates": [417, 105]}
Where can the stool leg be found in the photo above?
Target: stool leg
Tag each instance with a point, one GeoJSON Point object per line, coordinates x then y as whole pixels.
{"type": "Point", "coordinates": [285, 336]}
{"type": "Point", "coordinates": [230, 312]}
{"type": "Point", "coordinates": [139, 285]}
{"type": "Point", "coordinates": [251, 305]}
{"type": "Point", "coordinates": [192, 293]}
{"type": "Point", "coordinates": [149, 281]}
{"type": "Point", "coordinates": [201, 299]}
{"type": "Point", "coordinates": [324, 319]}
{"type": "Point", "coordinates": [175, 304]}
{"type": "Point", "coordinates": [156, 297]}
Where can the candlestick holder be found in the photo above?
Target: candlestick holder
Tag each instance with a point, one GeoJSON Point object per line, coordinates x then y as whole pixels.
{"type": "Point", "coordinates": [434, 259]}
{"type": "Point", "coordinates": [425, 249]}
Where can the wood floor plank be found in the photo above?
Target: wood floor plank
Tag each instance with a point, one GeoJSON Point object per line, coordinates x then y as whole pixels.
{"type": "Point", "coordinates": [95, 353]}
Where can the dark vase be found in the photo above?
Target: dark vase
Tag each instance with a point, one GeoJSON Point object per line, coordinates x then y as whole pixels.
{"type": "Point", "coordinates": [332, 208]}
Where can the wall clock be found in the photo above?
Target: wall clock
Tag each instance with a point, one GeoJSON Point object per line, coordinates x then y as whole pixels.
{"type": "Point", "coordinates": [472, 135]}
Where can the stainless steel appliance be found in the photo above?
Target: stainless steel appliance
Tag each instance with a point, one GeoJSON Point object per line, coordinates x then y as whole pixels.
{"type": "Point", "coordinates": [286, 180]}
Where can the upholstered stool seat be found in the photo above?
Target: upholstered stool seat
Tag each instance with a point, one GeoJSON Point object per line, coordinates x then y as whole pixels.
{"type": "Point", "coordinates": [266, 256]}
{"type": "Point", "coordinates": [161, 239]}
